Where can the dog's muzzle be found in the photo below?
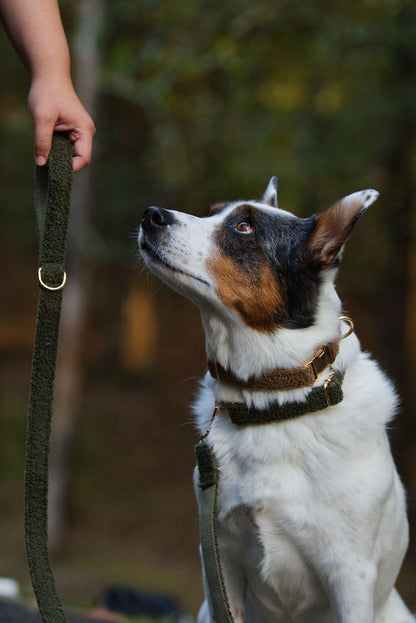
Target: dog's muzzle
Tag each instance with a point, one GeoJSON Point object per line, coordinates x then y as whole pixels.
{"type": "Point", "coordinates": [155, 218]}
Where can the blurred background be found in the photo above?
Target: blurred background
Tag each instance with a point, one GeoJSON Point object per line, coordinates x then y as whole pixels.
{"type": "Point", "coordinates": [194, 101]}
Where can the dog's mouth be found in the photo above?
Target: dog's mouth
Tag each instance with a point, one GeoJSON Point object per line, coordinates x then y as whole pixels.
{"type": "Point", "coordinates": [157, 259]}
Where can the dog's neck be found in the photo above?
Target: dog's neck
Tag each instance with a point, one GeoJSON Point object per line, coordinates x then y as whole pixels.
{"type": "Point", "coordinates": [247, 352]}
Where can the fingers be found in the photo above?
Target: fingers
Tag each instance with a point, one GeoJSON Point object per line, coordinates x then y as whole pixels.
{"type": "Point", "coordinates": [44, 128]}
{"type": "Point", "coordinates": [59, 109]}
{"type": "Point", "coordinates": [82, 142]}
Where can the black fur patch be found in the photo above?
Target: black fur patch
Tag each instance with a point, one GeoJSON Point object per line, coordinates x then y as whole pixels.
{"type": "Point", "coordinates": [280, 243]}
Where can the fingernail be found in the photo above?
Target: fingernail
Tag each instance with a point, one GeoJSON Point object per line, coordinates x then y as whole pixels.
{"type": "Point", "coordinates": [40, 161]}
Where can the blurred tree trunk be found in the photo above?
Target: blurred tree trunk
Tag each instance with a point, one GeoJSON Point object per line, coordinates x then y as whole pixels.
{"type": "Point", "coordinates": [69, 377]}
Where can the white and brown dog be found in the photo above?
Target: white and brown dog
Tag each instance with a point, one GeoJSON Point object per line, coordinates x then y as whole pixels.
{"type": "Point", "coordinates": [312, 520]}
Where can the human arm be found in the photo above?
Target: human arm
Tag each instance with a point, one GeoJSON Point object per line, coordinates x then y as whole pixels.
{"type": "Point", "coordinates": [36, 31]}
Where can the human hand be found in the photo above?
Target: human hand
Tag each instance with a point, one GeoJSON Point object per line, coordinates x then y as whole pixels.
{"type": "Point", "coordinates": [54, 106]}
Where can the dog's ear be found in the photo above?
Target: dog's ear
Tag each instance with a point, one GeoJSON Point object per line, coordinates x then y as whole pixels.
{"type": "Point", "coordinates": [270, 194]}
{"type": "Point", "coordinates": [334, 226]}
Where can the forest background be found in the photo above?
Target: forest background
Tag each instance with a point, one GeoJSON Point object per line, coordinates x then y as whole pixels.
{"type": "Point", "coordinates": [194, 101]}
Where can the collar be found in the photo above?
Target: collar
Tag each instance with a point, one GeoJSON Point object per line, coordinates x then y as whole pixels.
{"type": "Point", "coordinates": [327, 395]}
{"type": "Point", "coordinates": [281, 379]}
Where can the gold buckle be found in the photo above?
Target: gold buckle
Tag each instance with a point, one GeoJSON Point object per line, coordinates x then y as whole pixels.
{"type": "Point", "coordinates": [319, 361]}
{"type": "Point", "coordinates": [51, 288]}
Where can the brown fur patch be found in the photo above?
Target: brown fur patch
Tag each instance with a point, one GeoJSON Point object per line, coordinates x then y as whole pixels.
{"type": "Point", "coordinates": [259, 302]}
{"type": "Point", "coordinates": [216, 208]}
{"type": "Point", "coordinates": [332, 230]}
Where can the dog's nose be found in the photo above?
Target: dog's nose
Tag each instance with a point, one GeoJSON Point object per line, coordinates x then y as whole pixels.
{"type": "Point", "coordinates": [157, 217]}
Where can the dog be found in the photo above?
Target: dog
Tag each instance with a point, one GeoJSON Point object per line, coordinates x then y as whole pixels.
{"type": "Point", "coordinates": [311, 520]}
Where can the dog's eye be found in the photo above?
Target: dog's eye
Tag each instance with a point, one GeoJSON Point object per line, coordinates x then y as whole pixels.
{"type": "Point", "coordinates": [244, 227]}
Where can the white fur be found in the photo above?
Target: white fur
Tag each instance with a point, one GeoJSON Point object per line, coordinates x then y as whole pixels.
{"type": "Point", "coordinates": [312, 518]}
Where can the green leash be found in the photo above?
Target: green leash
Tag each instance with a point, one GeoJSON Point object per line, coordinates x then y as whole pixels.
{"type": "Point", "coordinates": [208, 482]}
{"type": "Point", "coordinates": [52, 202]}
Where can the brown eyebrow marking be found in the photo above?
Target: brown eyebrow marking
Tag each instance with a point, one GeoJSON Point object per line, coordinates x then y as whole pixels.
{"type": "Point", "coordinates": [217, 207]}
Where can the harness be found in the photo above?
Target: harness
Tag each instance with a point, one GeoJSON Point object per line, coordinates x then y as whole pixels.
{"type": "Point", "coordinates": [325, 396]}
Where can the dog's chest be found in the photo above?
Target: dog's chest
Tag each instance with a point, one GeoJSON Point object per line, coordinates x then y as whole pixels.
{"type": "Point", "coordinates": [285, 508]}
{"type": "Point", "coordinates": [268, 538]}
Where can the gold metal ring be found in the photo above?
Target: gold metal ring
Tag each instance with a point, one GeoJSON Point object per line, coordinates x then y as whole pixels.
{"type": "Point", "coordinates": [350, 330]}
{"type": "Point", "coordinates": [217, 409]}
{"type": "Point", "coordinates": [51, 288]}
{"type": "Point", "coordinates": [325, 386]}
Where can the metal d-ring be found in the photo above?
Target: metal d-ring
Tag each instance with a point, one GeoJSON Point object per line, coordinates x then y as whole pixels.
{"type": "Point", "coordinates": [51, 288]}
{"type": "Point", "coordinates": [350, 330]}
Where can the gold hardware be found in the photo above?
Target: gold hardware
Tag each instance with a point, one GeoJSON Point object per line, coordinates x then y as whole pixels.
{"type": "Point", "coordinates": [325, 386]}
{"type": "Point", "coordinates": [217, 376]}
{"type": "Point", "coordinates": [321, 359]}
{"type": "Point", "coordinates": [317, 353]}
{"type": "Point", "coordinates": [217, 408]}
{"type": "Point", "coordinates": [350, 330]}
{"type": "Point", "coordinates": [51, 288]}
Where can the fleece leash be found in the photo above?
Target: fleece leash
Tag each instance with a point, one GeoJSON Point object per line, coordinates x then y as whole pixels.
{"type": "Point", "coordinates": [52, 203]}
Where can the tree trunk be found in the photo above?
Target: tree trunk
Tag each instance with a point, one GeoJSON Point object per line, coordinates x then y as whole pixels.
{"type": "Point", "coordinates": [69, 377]}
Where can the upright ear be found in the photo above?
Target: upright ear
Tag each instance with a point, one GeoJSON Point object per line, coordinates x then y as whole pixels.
{"type": "Point", "coordinates": [334, 226]}
{"type": "Point", "coordinates": [270, 194]}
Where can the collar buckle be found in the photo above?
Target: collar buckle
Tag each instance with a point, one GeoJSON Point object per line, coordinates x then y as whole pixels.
{"type": "Point", "coordinates": [321, 360]}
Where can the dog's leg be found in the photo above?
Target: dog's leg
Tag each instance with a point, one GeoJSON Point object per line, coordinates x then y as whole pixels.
{"type": "Point", "coordinates": [204, 614]}
{"type": "Point", "coordinates": [394, 611]}
{"type": "Point", "coordinates": [352, 597]}
{"type": "Point", "coordinates": [235, 592]}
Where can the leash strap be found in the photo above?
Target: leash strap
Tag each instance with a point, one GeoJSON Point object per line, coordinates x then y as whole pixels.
{"type": "Point", "coordinates": [208, 482]}
{"type": "Point", "coordinates": [52, 202]}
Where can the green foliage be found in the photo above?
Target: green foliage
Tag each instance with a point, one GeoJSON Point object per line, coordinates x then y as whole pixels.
{"type": "Point", "coordinates": [218, 97]}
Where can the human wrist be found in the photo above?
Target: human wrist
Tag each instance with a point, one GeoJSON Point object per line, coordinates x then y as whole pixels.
{"type": "Point", "coordinates": [50, 67]}
{"type": "Point", "coordinates": [53, 81]}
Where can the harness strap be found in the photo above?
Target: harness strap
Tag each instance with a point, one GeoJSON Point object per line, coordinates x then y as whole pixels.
{"type": "Point", "coordinates": [52, 202]}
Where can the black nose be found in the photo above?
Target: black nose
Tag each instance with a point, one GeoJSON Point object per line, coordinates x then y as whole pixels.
{"type": "Point", "coordinates": [157, 217]}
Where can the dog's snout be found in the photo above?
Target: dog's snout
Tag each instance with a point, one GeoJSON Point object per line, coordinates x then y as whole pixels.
{"type": "Point", "coordinates": [157, 217]}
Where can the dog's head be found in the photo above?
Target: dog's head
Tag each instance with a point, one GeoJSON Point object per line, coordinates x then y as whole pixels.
{"type": "Point", "coordinates": [251, 258]}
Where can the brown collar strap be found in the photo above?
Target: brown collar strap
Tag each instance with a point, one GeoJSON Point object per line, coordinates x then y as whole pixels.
{"type": "Point", "coordinates": [281, 379]}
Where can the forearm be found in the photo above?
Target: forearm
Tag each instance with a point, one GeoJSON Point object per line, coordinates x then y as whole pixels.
{"type": "Point", "coordinates": [35, 28]}
{"type": "Point", "coordinates": [36, 31]}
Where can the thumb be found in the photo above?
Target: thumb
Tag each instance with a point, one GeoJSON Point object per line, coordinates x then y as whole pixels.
{"type": "Point", "coordinates": [43, 139]}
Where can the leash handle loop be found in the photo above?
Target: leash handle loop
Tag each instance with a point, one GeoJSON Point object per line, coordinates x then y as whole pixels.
{"type": "Point", "coordinates": [52, 203]}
